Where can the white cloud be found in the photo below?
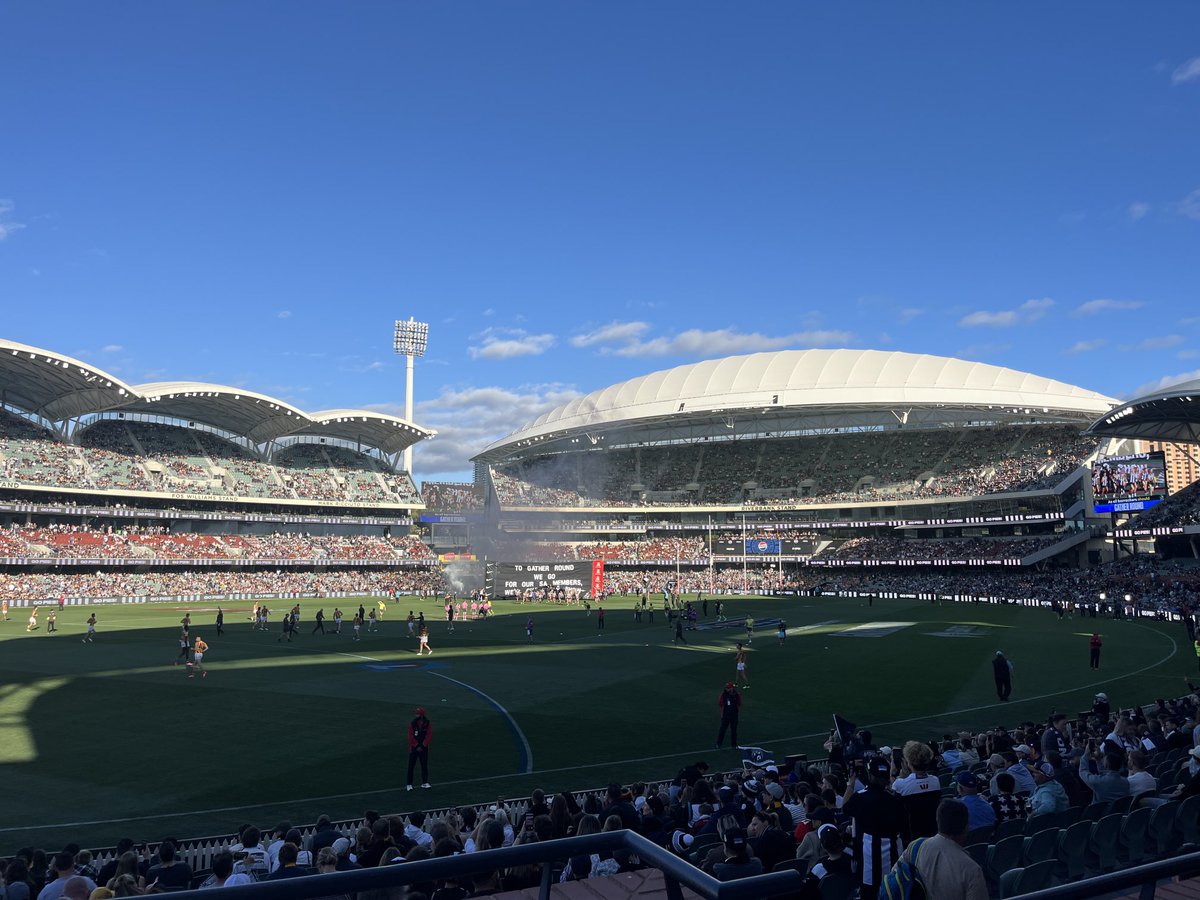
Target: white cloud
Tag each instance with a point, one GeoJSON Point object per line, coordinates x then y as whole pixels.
{"type": "Point", "coordinates": [1163, 383]}
{"type": "Point", "coordinates": [1187, 354]}
{"type": "Point", "coordinates": [1160, 342]}
{"type": "Point", "coordinates": [1029, 311]}
{"type": "Point", "coordinates": [1188, 71]}
{"type": "Point", "coordinates": [468, 419]}
{"type": "Point", "coordinates": [111, 348]}
{"type": "Point", "coordinates": [376, 366]}
{"type": "Point", "coordinates": [284, 314]}
{"type": "Point", "coordinates": [1085, 346]}
{"type": "Point", "coordinates": [1092, 307]}
{"type": "Point", "coordinates": [613, 332]}
{"type": "Point", "coordinates": [7, 226]}
{"type": "Point", "coordinates": [1138, 210]}
{"type": "Point", "coordinates": [509, 343]}
{"type": "Point", "coordinates": [909, 313]}
{"type": "Point", "coordinates": [626, 339]}
{"type": "Point", "coordinates": [1190, 205]}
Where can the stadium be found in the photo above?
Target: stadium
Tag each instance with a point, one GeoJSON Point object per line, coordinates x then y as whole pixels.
{"type": "Point", "coordinates": [822, 507]}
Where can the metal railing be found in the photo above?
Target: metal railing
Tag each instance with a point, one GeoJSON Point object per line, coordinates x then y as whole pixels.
{"type": "Point", "coordinates": [677, 873]}
{"type": "Point", "coordinates": [1145, 878]}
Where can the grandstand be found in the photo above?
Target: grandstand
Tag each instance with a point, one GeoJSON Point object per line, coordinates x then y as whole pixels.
{"type": "Point", "coordinates": [795, 429]}
{"type": "Point", "coordinates": [110, 490]}
{"type": "Point", "coordinates": [877, 457]}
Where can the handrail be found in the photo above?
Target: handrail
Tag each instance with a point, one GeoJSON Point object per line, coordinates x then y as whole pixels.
{"type": "Point", "coordinates": [675, 870]}
{"type": "Point", "coordinates": [1146, 877]}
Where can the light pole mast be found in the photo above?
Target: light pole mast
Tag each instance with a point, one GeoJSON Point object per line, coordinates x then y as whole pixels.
{"type": "Point", "coordinates": [410, 340]}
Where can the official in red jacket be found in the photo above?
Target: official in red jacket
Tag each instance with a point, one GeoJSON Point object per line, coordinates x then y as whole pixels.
{"type": "Point", "coordinates": [420, 731]}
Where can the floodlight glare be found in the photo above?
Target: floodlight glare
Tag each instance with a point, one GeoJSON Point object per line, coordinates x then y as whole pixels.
{"type": "Point", "coordinates": [411, 337]}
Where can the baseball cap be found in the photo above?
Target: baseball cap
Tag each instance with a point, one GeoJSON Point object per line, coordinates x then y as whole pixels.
{"type": "Point", "coordinates": [1102, 696]}
{"type": "Point", "coordinates": [885, 751]}
{"type": "Point", "coordinates": [775, 789]}
{"type": "Point", "coordinates": [341, 845]}
{"type": "Point", "coordinates": [1023, 749]}
{"type": "Point", "coordinates": [830, 838]}
{"type": "Point", "coordinates": [735, 837]}
{"type": "Point", "coordinates": [822, 814]}
{"type": "Point", "coordinates": [420, 710]}
{"type": "Point", "coordinates": [774, 769]}
{"type": "Point", "coordinates": [877, 765]}
{"type": "Point", "coordinates": [725, 794]}
{"type": "Point", "coordinates": [1194, 753]}
{"type": "Point", "coordinates": [967, 779]}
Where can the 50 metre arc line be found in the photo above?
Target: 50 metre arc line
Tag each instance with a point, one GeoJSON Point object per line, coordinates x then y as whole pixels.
{"type": "Point", "coordinates": [524, 751]}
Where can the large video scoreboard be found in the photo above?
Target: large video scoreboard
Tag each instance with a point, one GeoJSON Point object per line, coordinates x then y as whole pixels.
{"type": "Point", "coordinates": [511, 579]}
{"type": "Point", "coordinates": [1129, 483]}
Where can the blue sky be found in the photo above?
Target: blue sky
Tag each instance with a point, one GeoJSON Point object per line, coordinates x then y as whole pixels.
{"type": "Point", "coordinates": [576, 193]}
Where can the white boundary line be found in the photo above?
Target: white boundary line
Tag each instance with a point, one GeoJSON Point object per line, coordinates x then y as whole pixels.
{"type": "Point", "coordinates": [504, 712]}
{"type": "Point", "coordinates": [577, 767]}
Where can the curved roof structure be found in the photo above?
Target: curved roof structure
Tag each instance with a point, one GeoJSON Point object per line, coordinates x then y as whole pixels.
{"type": "Point", "coordinates": [1167, 414]}
{"type": "Point", "coordinates": [812, 388]}
{"type": "Point", "coordinates": [390, 434]}
{"type": "Point", "coordinates": [55, 386]}
{"type": "Point", "coordinates": [255, 416]}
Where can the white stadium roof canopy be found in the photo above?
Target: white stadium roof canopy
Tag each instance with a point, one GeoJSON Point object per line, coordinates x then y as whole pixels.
{"type": "Point", "coordinates": [255, 416]}
{"type": "Point", "coordinates": [1168, 414]}
{"type": "Point", "coordinates": [57, 388]}
{"type": "Point", "coordinates": [54, 386]}
{"type": "Point", "coordinates": [791, 390]}
{"type": "Point", "coordinates": [390, 434]}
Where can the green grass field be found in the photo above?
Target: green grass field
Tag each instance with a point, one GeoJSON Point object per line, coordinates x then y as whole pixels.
{"type": "Point", "coordinates": [108, 739]}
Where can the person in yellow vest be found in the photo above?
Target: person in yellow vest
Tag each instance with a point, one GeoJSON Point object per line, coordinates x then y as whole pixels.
{"type": "Point", "coordinates": [199, 648]}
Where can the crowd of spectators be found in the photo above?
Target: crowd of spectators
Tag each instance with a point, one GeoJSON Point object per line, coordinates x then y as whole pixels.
{"type": "Point", "coordinates": [141, 456]}
{"type": "Point", "coordinates": [83, 542]}
{"type": "Point", "coordinates": [847, 818]}
{"type": "Point", "coordinates": [963, 548]}
{"type": "Point", "coordinates": [1182, 508]}
{"type": "Point", "coordinates": [162, 583]}
{"type": "Point", "coordinates": [1150, 584]}
{"type": "Point", "coordinates": [859, 466]}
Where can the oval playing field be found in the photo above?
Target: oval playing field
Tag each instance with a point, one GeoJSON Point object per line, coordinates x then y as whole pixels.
{"type": "Point", "coordinates": [108, 739]}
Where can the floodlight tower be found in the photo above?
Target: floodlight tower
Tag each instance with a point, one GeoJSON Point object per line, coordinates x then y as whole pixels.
{"type": "Point", "coordinates": [410, 340]}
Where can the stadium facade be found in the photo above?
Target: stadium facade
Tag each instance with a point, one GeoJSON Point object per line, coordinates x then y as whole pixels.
{"type": "Point", "coordinates": [821, 457]}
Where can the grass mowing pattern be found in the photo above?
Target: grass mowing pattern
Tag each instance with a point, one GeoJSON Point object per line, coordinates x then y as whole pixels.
{"type": "Point", "coordinates": [91, 734]}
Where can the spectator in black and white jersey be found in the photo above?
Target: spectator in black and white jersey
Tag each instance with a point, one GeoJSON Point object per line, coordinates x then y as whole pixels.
{"type": "Point", "coordinates": [1054, 738]}
{"type": "Point", "coordinates": [835, 860]}
{"type": "Point", "coordinates": [879, 821]}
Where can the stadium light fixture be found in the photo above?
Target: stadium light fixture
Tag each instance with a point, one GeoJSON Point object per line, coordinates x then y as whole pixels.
{"type": "Point", "coordinates": [409, 340]}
